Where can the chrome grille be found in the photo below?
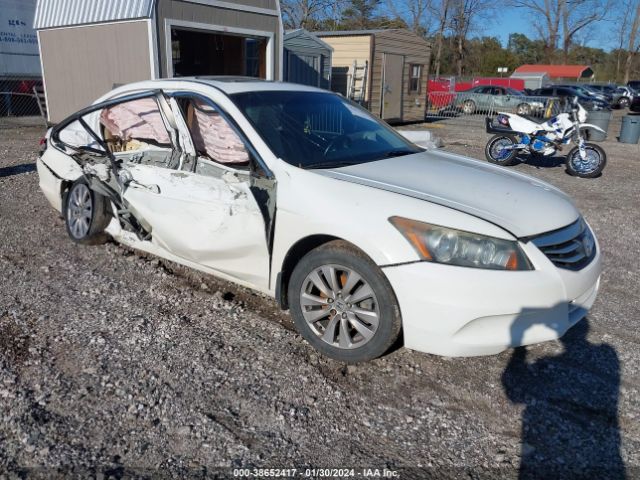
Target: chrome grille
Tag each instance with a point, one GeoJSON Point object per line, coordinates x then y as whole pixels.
{"type": "Point", "coordinates": [572, 247]}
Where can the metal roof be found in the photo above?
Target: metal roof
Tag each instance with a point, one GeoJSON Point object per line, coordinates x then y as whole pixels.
{"type": "Point", "coordinates": [301, 32]}
{"type": "Point", "coordinates": [347, 33]}
{"type": "Point", "coordinates": [63, 13]}
{"type": "Point", "coordinates": [558, 71]}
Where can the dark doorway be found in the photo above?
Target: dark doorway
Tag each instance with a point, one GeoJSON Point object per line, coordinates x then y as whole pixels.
{"type": "Point", "coordinates": [195, 52]}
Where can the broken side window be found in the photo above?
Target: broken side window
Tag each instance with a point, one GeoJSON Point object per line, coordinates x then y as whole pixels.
{"type": "Point", "coordinates": [216, 142]}
{"type": "Point", "coordinates": [136, 132]}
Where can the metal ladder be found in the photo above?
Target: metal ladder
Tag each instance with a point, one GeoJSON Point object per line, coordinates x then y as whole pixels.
{"type": "Point", "coordinates": [358, 84]}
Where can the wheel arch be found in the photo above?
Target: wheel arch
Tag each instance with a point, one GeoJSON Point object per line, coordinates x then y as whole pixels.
{"type": "Point", "coordinates": [295, 253]}
{"type": "Point", "coordinates": [291, 259]}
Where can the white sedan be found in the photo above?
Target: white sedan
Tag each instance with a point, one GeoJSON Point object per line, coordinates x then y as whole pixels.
{"type": "Point", "coordinates": [298, 193]}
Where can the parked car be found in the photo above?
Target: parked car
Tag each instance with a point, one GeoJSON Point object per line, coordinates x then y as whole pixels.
{"type": "Point", "coordinates": [565, 94]}
{"type": "Point", "coordinates": [587, 91]}
{"type": "Point", "coordinates": [635, 84]}
{"type": "Point", "coordinates": [626, 96]}
{"type": "Point", "coordinates": [487, 98]}
{"type": "Point", "coordinates": [619, 95]}
{"type": "Point", "coordinates": [302, 195]}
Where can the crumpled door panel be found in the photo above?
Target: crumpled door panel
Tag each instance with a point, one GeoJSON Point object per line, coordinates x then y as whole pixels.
{"type": "Point", "coordinates": [211, 221]}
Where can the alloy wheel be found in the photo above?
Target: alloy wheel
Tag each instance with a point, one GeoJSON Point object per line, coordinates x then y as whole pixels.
{"type": "Point", "coordinates": [80, 211]}
{"type": "Point", "coordinates": [340, 306]}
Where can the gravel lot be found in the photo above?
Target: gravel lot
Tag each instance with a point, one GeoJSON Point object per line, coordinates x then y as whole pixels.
{"type": "Point", "coordinates": [114, 364]}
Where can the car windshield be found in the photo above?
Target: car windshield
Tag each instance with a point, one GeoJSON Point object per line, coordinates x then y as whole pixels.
{"type": "Point", "coordinates": [320, 130]}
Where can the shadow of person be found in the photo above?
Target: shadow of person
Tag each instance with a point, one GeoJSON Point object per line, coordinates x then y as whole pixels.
{"type": "Point", "coordinates": [570, 422]}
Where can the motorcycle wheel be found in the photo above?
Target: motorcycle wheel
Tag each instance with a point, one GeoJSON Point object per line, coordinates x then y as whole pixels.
{"type": "Point", "coordinates": [593, 164]}
{"type": "Point", "coordinates": [496, 153]}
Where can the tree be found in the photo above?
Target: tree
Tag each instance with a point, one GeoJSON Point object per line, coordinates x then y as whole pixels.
{"type": "Point", "coordinates": [562, 18]}
{"type": "Point", "coordinates": [577, 15]}
{"type": "Point", "coordinates": [623, 21]}
{"type": "Point", "coordinates": [548, 27]}
{"type": "Point", "coordinates": [527, 51]}
{"type": "Point", "coordinates": [360, 14]}
{"type": "Point", "coordinates": [634, 45]}
{"type": "Point", "coordinates": [414, 13]}
{"type": "Point", "coordinates": [442, 10]}
{"type": "Point", "coordinates": [463, 17]}
{"type": "Point", "coordinates": [304, 13]}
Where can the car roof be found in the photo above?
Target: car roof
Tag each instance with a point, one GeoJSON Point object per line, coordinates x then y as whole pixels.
{"type": "Point", "coordinates": [231, 84]}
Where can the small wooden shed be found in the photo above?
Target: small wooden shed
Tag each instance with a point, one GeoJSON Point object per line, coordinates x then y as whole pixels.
{"type": "Point", "coordinates": [87, 47]}
{"type": "Point", "coordinates": [307, 59]}
{"type": "Point", "coordinates": [385, 70]}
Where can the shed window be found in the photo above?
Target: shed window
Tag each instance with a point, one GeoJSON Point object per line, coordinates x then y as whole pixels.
{"type": "Point", "coordinates": [415, 73]}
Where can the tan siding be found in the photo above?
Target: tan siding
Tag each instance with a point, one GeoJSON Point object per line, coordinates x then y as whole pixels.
{"type": "Point", "coordinates": [83, 63]}
{"type": "Point", "coordinates": [347, 49]}
{"type": "Point", "coordinates": [416, 50]}
{"type": "Point", "coordinates": [192, 12]}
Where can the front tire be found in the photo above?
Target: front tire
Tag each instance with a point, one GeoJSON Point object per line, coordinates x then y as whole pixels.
{"type": "Point", "coordinates": [86, 214]}
{"type": "Point", "coordinates": [496, 150]}
{"type": "Point", "coordinates": [623, 103]}
{"type": "Point", "coordinates": [468, 107]}
{"type": "Point", "coordinates": [342, 303]}
{"type": "Point", "coordinates": [593, 164]}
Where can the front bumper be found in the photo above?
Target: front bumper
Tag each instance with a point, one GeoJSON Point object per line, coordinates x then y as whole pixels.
{"type": "Point", "coordinates": [457, 311]}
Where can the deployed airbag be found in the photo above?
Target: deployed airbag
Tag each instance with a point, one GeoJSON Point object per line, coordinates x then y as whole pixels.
{"type": "Point", "coordinates": [215, 137]}
{"type": "Point", "coordinates": [137, 119]}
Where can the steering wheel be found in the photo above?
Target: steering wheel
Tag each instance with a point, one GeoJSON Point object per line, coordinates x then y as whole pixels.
{"type": "Point", "coordinates": [342, 140]}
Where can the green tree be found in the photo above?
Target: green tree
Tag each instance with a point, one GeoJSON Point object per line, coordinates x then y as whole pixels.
{"type": "Point", "coordinates": [525, 50]}
{"type": "Point", "coordinates": [360, 15]}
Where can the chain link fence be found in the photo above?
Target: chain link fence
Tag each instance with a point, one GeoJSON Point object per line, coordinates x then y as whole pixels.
{"type": "Point", "coordinates": [467, 106]}
{"type": "Point", "coordinates": [22, 102]}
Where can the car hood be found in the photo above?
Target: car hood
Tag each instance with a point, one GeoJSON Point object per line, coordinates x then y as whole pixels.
{"type": "Point", "coordinates": [518, 203]}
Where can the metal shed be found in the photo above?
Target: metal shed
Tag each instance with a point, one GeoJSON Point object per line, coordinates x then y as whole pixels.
{"type": "Point", "coordinates": [532, 80]}
{"type": "Point", "coordinates": [307, 59]}
{"type": "Point", "coordinates": [88, 46]}
{"type": "Point", "coordinates": [385, 70]}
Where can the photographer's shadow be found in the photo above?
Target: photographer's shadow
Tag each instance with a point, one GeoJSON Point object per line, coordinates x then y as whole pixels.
{"type": "Point", "coordinates": [570, 422]}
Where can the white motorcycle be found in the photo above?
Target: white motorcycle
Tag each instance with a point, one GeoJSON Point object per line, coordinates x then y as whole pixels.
{"type": "Point", "coordinates": [515, 133]}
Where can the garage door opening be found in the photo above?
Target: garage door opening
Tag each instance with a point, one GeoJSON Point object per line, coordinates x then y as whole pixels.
{"type": "Point", "coordinates": [195, 52]}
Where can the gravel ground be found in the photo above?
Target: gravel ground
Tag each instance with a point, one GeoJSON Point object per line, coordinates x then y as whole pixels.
{"type": "Point", "coordinates": [115, 364]}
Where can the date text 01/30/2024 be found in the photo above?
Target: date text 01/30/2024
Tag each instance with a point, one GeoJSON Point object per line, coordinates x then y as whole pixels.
{"type": "Point", "coordinates": [314, 473]}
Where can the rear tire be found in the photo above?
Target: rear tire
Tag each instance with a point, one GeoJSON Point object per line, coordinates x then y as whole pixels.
{"type": "Point", "coordinates": [523, 109]}
{"type": "Point", "coordinates": [592, 166]}
{"type": "Point", "coordinates": [86, 214]}
{"type": "Point", "coordinates": [349, 318]}
{"type": "Point", "coordinates": [494, 151]}
{"type": "Point", "coordinates": [623, 102]}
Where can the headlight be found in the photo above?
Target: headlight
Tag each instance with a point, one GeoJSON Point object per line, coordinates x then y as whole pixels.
{"type": "Point", "coordinates": [455, 247]}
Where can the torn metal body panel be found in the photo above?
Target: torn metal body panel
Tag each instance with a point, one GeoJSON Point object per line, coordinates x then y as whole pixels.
{"type": "Point", "coordinates": [139, 152]}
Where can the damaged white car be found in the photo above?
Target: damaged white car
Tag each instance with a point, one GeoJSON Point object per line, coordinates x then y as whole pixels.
{"type": "Point", "coordinates": [300, 194]}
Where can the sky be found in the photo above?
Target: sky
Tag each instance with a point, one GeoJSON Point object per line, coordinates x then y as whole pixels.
{"type": "Point", "coordinates": [518, 20]}
{"type": "Point", "coordinates": [508, 21]}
